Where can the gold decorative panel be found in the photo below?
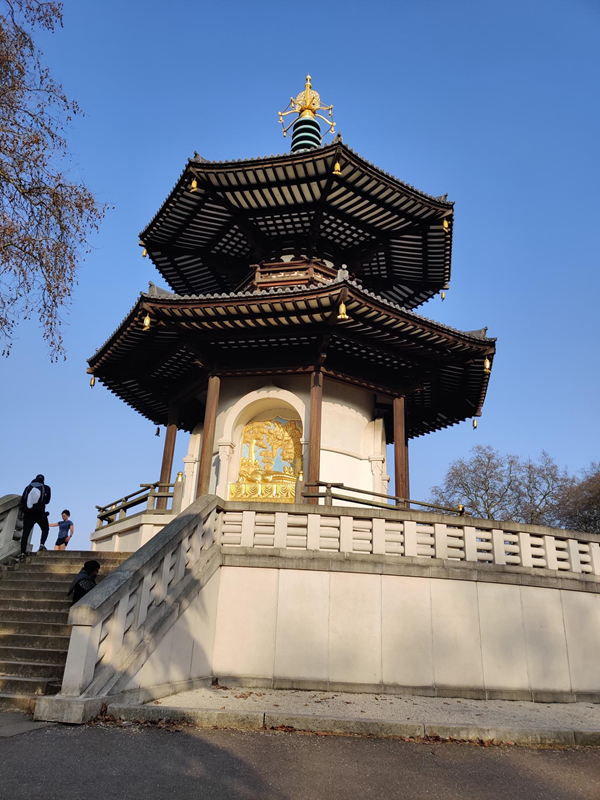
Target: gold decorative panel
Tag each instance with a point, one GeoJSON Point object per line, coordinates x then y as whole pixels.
{"type": "Point", "coordinates": [270, 461]}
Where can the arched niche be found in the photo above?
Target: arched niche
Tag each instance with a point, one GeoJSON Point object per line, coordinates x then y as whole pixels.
{"type": "Point", "coordinates": [260, 415]}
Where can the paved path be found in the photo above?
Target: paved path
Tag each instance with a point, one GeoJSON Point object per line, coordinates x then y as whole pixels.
{"type": "Point", "coordinates": [65, 763]}
{"type": "Point", "coordinates": [427, 710]}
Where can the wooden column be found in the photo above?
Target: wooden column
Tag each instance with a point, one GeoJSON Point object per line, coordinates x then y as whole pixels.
{"type": "Point", "coordinates": [167, 459]}
{"type": "Point", "coordinates": [314, 431]}
{"type": "Point", "coordinates": [400, 449]}
{"type": "Point", "coordinates": [208, 435]}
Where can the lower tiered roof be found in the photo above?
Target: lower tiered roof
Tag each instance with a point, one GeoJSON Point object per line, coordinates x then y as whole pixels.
{"type": "Point", "coordinates": [288, 331]}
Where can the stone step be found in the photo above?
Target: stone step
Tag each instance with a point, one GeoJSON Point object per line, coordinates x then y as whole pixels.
{"type": "Point", "coordinates": [34, 616]}
{"type": "Point", "coordinates": [34, 628]}
{"type": "Point", "coordinates": [32, 594]}
{"type": "Point", "coordinates": [41, 641]}
{"type": "Point", "coordinates": [17, 702]}
{"type": "Point", "coordinates": [17, 684]}
{"type": "Point", "coordinates": [32, 669]}
{"type": "Point", "coordinates": [23, 581]}
{"type": "Point", "coordinates": [58, 568]}
{"type": "Point", "coordinates": [34, 604]}
{"type": "Point", "coordinates": [49, 656]}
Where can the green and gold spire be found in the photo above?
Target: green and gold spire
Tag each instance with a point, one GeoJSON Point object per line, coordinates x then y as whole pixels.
{"type": "Point", "coordinates": [306, 132]}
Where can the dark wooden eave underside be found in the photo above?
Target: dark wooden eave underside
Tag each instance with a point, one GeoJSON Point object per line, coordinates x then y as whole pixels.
{"type": "Point", "coordinates": [389, 234]}
{"type": "Point", "coordinates": [381, 348]}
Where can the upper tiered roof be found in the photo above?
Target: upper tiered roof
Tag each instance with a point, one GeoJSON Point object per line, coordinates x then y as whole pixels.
{"type": "Point", "coordinates": [326, 202]}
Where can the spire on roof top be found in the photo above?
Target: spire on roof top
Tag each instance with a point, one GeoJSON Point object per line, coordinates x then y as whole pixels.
{"type": "Point", "coordinates": [306, 129]}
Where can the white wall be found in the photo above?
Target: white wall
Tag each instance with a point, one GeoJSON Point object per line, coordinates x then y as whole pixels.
{"type": "Point", "coordinates": [352, 442]}
{"type": "Point", "coordinates": [186, 650]}
{"type": "Point", "coordinates": [386, 630]}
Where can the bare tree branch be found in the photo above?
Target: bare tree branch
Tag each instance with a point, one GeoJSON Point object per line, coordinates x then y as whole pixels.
{"type": "Point", "coordinates": [46, 217]}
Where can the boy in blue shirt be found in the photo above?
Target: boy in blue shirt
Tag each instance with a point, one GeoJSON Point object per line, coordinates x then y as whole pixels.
{"type": "Point", "coordinates": [65, 530]}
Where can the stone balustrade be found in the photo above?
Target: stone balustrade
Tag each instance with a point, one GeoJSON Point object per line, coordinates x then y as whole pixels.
{"type": "Point", "coordinates": [119, 623]}
{"type": "Point", "coordinates": [11, 526]}
{"type": "Point", "coordinates": [412, 534]}
{"type": "Point", "coordinates": [195, 601]}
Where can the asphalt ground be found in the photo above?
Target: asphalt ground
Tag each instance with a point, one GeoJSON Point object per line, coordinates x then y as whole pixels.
{"type": "Point", "coordinates": [136, 762]}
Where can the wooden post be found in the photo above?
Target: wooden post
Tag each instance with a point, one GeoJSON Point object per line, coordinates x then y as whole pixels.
{"type": "Point", "coordinates": [400, 449]}
{"type": "Point", "coordinates": [314, 431]}
{"type": "Point", "coordinates": [167, 459]}
{"type": "Point", "coordinates": [208, 435]}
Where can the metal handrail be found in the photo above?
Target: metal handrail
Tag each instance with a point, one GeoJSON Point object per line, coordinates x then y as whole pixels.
{"type": "Point", "coordinates": [329, 495]}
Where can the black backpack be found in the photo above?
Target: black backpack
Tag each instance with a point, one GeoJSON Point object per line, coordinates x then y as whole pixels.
{"type": "Point", "coordinates": [44, 496]}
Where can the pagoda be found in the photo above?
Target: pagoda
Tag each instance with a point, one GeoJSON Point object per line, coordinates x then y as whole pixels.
{"type": "Point", "coordinates": [288, 344]}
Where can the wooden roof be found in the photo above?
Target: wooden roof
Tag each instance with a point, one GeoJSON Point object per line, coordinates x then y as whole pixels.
{"type": "Point", "coordinates": [390, 235]}
{"type": "Point", "coordinates": [381, 347]}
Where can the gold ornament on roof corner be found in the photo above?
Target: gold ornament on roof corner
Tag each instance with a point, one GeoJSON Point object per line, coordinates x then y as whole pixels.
{"type": "Point", "coordinates": [307, 104]}
{"type": "Point", "coordinates": [446, 225]}
{"type": "Point", "coordinates": [487, 366]}
{"type": "Point", "coordinates": [92, 382]}
{"type": "Point", "coordinates": [342, 312]}
{"type": "Point", "coordinates": [474, 424]}
{"type": "Point", "coordinates": [337, 170]}
{"type": "Point", "coordinates": [157, 431]}
{"type": "Point", "coordinates": [144, 253]}
{"type": "Point", "coordinates": [194, 186]}
{"type": "Point", "coordinates": [147, 322]}
{"type": "Point", "coordinates": [443, 295]}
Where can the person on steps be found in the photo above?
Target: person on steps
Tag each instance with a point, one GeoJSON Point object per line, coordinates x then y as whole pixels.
{"type": "Point", "coordinates": [84, 581]}
{"type": "Point", "coordinates": [65, 530]}
{"type": "Point", "coordinates": [33, 504]}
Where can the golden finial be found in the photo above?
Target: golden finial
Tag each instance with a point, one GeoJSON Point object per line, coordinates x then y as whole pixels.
{"type": "Point", "coordinates": [307, 104]}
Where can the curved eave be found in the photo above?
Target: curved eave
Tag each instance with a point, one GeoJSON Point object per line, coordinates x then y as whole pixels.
{"type": "Point", "coordinates": [388, 232]}
{"type": "Point", "coordinates": [380, 347]}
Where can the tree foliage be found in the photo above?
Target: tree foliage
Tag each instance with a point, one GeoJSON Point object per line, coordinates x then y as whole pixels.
{"type": "Point", "coordinates": [495, 486]}
{"type": "Point", "coordinates": [46, 216]}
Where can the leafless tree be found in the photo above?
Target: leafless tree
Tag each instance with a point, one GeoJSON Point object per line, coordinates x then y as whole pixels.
{"type": "Point", "coordinates": [46, 216]}
{"type": "Point", "coordinates": [579, 501]}
{"type": "Point", "coordinates": [495, 486]}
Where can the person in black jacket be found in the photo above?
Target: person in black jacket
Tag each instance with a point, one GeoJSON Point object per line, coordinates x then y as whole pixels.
{"type": "Point", "coordinates": [33, 503]}
{"type": "Point", "coordinates": [84, 581]}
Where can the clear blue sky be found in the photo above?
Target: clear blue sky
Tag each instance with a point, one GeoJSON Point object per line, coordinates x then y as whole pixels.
{"type": "Point", "coordinates": [494, 103]}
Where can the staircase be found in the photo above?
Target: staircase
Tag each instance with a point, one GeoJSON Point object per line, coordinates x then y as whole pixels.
{"type": "Point", "coordinates": [34, 634]}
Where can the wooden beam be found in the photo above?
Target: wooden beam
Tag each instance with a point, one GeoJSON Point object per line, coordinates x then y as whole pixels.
{"type": "Point", "coordinates": [168, 451]}
{"type": "Point", "coordinates": [314, 431]}
{"type": "Point", "coordinates": [208, 435]}
{"type": "Point", "coordinates": [400, 449]}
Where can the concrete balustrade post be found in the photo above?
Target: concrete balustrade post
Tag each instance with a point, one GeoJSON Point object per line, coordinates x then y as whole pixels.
{"type": "Point", "coordinates": [440, 536]}
{"type": "Point", "coordinates": [574, 555]}
{"type": "Point", "coordinates": [410, 539]}
{"type": "Point", "coordinates": [81, 659]}
{"type": "Point", "coordinates": [498, 546]}
{"type": "Point", "coordinates": [313, 539]}
{"type": "Point", "coordinates": [145, 599]}
{"type": "Point", "coordinates": [550, 550]}
{"type": "Point", "coordinates": [346, 528]}
{"type": "Point", "coordinates": [378, 536]}
{"type": "Point", "coordinates": [525, 549]}
{"type": "Point", "coordinates": [248, 523]}
{"type": "Point", "coordinates": [595, 557]}
{"type": "Point", "coordinates": [117, 628]}
{"type": "Point", "coordinates": [470, 540]}
{"type": "Point", "coordinates": [281, 523]}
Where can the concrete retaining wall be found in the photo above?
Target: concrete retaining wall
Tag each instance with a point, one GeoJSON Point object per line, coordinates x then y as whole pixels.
{"type": "Point", "coordinates": [375, 632]}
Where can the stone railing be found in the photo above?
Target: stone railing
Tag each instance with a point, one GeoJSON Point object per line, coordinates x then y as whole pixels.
{"type": "Point", "coordinates": [118, 624]}
{"type": "Point", "coordinates": [11, 526]}
{"type": "Point", "coordinates": [412, 534]}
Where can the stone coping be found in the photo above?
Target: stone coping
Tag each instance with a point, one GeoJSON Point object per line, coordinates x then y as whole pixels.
{"type": "Point", "coordinates": [8, 501]}
{"type": "Point", "coordinates": [426, 517]}
{"type": "Point", "coordinates": [287, 558]}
